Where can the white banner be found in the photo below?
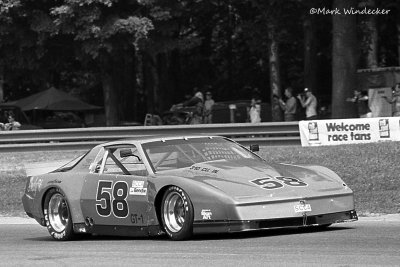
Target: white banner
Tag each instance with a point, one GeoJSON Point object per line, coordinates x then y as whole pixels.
{"type": "Point", "coordinates": [349, 131]}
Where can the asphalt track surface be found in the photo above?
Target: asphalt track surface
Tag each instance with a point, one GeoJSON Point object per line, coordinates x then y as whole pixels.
{"type": "Point", "coordinates": [368, 242]}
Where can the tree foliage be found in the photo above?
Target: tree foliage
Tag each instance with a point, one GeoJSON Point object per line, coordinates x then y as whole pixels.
{"type": "Point", "coordinates": [139, 56]}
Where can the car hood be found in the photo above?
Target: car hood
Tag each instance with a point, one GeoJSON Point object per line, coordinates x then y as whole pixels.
{"type": "Point", "coordinates": [239, 179]}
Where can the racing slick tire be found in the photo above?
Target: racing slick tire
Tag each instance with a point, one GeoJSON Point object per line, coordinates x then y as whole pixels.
{"type": "Point", "coordinates": [57, 215]}
{"type": "Point", "coordinates": [177, 214]}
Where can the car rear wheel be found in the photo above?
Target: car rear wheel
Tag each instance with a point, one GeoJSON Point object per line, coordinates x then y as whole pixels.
{"type": "Point", "coordinates": [57, 215]}
{"type": "Point", "coordinates": [177, 214]}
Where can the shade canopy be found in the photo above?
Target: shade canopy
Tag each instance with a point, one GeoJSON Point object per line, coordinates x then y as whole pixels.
{"type": "Point", "coordinates": [53, 99]}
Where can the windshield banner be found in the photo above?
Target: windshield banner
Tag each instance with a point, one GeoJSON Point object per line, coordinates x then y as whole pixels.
{"type": "Point", "coordinates": [349, 131]}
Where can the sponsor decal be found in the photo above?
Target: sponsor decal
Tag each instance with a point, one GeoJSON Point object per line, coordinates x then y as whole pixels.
{"type": "Point", "coordinates": [56, 181]}
{"type": "Point", "coordinates": [35, 184]}
{"type": "Point", "coordinates": [313, 134]}
{"type": "Point", "coordinates": [302, 207]}
{"type": "Point", "coordinates": [203, 169]}
{"type": "Point", "coordinates": [138, 184]}
{"type": "Point", "coordinates": [384, 130]}
{"type": "Point", "coordinates": [138, 188]}
{"type": "Point", "coordinates": [138, 191]}
{"type": "Point", "coordinates": [58, 235]}
{"type": "Point", "coordinates": [206, 214]}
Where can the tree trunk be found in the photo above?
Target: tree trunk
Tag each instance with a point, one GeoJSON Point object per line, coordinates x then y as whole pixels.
{"type": "Point", "coordinates": [166, 88]}
{"type": "Point", "coordinates": [175, 71]}
{"type": "Point", "coordinates": [398, 40]}
{"type": "Point", "coordinates": [1, 83]}
{"type": "Point", "coordinates": [231, 88]}
{"type": "Point", "coordinates": [310, 59]}
{"type": "Point", "coordinates": [275, 82]}
{"type": "Point", "coordinates": [344, 58]}
{"type": "Point", "coordinates": [370, 35]}
{"type": "Point", "coordinates": [139, 94]}
{"type": "Point", "coordinates": [151, 83]}
{"type": "Point", "coordinates": [110, 103]}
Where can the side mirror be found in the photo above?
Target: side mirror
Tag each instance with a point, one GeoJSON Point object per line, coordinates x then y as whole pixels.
{"type": "Point", "coordinates": [94, 167]}
{"type": "Point", "coordinates": [254, 148]}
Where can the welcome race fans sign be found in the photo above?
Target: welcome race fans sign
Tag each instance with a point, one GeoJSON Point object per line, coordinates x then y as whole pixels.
{"type": "Point", "coordinates": [349, 131]}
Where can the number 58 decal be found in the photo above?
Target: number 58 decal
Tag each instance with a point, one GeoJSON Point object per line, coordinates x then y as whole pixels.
{"type": "Point", "coordinates": [277, 182]}
{"type": "Point", "coordinates": [112, 199]}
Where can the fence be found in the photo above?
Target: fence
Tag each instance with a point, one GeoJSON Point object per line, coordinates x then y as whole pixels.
{"type": "Point", "coordinates": [276, 133]}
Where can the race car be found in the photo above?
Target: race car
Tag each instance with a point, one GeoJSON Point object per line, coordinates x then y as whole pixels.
{"type": "Point", "coordinates": [181, 186]}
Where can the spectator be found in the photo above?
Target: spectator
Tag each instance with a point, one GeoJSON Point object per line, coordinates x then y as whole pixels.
{"type": "Point", "coordinates": [361, 100]}
{"type": "Point", "coordinates": [208, 105]}
{"type": "Point", "coordinates": [395, 100]}
{"type": "Point", "coordinates": [255, 111]}
{"type": "Point", "coordinates": [12, 124]}
{"type": "Point", "coordinates": [276, 109]}
{"type": "Point", "coordinates": [309, 102]}
{"type": "Point", "coordinates": [197, 102]}
{"type": "Point", "coordinates": [290, 106]}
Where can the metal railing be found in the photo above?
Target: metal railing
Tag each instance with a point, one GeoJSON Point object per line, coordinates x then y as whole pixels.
{"type": "Point", "coordinates": [268, 133]}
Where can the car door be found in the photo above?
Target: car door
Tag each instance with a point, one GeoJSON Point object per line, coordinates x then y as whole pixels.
{"type": "Point", "coordinates": [115, 190]}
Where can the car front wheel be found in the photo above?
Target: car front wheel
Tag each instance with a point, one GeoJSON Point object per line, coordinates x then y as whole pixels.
{"type": "Point", "coordinates": [177, 214]}
{"type": "Point", "coordinates": [58, 216]}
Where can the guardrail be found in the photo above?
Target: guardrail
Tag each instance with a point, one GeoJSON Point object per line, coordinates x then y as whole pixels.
{"type": "Point", "coordinates": [267, 133]}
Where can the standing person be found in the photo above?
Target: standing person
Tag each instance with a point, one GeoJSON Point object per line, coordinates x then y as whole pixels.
{"type": "Point", "coordinates": [395, 100]}
{"type": "Point", "coordinates": [309, 102]}
{"type": "Point", "coordinates": [290, 106]}
{"type": "Point", "coordinates": [12, 124]}
{"type": "Point", "coordinates": [255, 111]}
{"type": "Point", "coordinates": [197, 102]}
{"type": "Point", "coordinates": [361, 100]}
{"type": "Point", "coordinates": [208, 105]}
{"type": "Point", "coordinates": [276, 109]}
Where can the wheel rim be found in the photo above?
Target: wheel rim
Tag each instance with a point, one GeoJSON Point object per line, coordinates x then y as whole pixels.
{"type": "Point", "coordinates": [58, 212]}
{"type": "Point", "coordinates": [174, 212]}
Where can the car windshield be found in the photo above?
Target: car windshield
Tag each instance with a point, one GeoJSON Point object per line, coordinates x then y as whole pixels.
{"type": "Point", "coordinates": [181, 153]}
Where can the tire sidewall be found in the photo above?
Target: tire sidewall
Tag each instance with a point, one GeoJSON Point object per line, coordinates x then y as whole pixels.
{"type": "Point", "coordinates": [187, 230]}
{"type": "Point", "coordinates": [67, 233]}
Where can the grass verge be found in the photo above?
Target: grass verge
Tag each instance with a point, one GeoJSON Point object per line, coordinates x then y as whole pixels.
{"type": "Point", "coordinates": [371, 170]}
{"type": "Point", "coordinates": [13, 177]}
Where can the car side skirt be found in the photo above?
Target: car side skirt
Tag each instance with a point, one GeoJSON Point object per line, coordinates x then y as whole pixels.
{"type": "Point", "coordinates": [200, 227]}
{"type": "Point", "coordinates": [118, 230]}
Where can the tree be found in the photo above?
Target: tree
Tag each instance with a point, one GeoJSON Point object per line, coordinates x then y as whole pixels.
{"type": "Point", "coordinates": [344, 59]}
{"type": "Point", "coordinates": [370, 35]}
{"type": "Point", "coordinates": [104, 32]}
{"type": "Point", "coordinates": [310, 49]}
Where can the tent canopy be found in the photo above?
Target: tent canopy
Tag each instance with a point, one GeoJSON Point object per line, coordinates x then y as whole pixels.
{"type": "Point", "coordinates": [53, 99]}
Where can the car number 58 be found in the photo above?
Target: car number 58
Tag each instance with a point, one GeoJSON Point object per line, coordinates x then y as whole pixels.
{"type": "Point", "coordinates": [111, 199]}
